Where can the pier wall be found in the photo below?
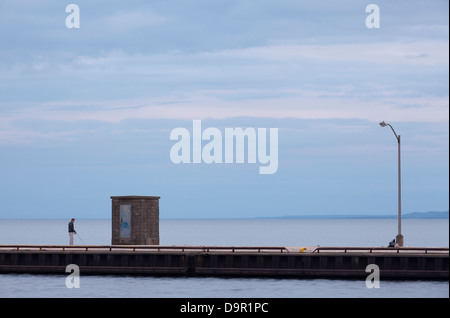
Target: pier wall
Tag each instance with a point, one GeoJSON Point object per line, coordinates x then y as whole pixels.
{"type": "Point", "coordinates": [242, 264]}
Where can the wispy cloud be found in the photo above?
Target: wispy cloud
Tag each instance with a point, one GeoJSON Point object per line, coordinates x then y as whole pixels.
{"type": "Point", "coordinates": [126, 21]}
{"type": "Point", "coordinates": [412, 53]}
{"type": "Point", "coordinates": [216, 104]}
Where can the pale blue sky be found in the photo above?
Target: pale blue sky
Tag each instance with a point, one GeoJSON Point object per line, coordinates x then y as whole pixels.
{"type": "Point", "coordinates": [87, 113]}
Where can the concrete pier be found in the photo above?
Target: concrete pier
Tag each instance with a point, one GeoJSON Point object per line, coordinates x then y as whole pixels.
{"type": "Point", "coordinates": [243, 261]}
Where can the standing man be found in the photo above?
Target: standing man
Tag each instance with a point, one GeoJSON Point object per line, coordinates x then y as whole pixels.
{"type": "Point", "coordinates": [71, 231]}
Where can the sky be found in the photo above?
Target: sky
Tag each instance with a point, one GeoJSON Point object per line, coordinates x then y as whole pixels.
{"type": "Point", "coordinates": [86, 113]}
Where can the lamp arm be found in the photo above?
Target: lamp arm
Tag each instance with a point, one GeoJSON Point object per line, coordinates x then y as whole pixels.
{"type": "Point", "coordinates": [396, 136]}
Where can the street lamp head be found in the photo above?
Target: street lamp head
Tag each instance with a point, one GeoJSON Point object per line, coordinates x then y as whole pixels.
{"type": "Point", "coordinates": [383, 124]}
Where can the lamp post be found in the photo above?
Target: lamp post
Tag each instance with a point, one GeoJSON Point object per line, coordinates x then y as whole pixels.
{"type": "Point", "coordinates": [399, 237]}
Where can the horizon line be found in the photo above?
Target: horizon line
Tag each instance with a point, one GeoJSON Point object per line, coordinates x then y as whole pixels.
{"type": "Point", "coordinates": [410, 215]}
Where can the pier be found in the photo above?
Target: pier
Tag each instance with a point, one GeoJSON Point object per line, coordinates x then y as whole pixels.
{"type": "Point", "coordinates": [228, 261]}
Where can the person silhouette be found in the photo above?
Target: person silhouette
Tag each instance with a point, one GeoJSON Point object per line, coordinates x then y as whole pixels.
{"type": "Point", "coordinates": [71, 231]}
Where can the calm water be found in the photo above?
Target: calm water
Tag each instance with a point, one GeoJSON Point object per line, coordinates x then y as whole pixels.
{"type": "Point", "coordinates": [227, 232]}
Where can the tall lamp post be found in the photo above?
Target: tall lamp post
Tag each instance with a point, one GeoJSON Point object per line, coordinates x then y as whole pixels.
{"type": "Point", "coordinates": [399, 237]}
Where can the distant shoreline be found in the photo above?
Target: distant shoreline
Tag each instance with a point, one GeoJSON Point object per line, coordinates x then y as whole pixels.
{"type": "Point", "coordinates": [412, 215]}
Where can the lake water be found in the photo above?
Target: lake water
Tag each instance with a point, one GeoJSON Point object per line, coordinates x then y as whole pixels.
{"type": "Point", "coordinates": [263, 232]}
